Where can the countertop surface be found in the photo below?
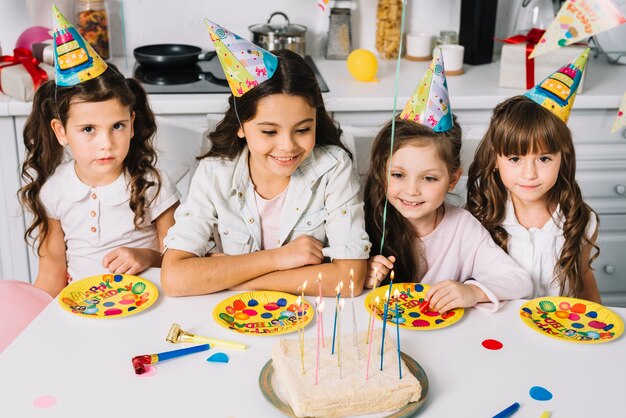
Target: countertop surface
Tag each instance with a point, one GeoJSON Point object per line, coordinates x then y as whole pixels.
{"type": "Point", "coordinates": [476, 89]}
{"type": "Point", "coordinates": [85, 364]}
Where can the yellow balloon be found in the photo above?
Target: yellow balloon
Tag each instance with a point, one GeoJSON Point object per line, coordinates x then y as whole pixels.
{"type": "Point", "coordinates": [362, 64]}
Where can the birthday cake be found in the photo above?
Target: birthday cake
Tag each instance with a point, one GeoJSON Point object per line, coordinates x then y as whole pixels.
{"type": "Point", "coordinates": [342, 388]}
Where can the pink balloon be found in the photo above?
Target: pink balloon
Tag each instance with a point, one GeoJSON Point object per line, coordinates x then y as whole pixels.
{"type": "Point", "coordinates": [20, 303]}
{"type": "Point", "coordinates": [31, 36]}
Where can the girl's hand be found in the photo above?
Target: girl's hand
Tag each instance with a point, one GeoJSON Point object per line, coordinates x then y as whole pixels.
{"type": "Point", "coordinates": [380, 264]}
{"type": "Point", "coordinates": [450, 294]}
{"type": "Point", "coordinates": [302, 251]}
{"type": "Point", "coordinates": [126, 260]}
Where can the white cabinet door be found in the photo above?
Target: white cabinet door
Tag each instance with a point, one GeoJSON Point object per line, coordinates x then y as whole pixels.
{"type": "Point", "coordinates": [13, 257]}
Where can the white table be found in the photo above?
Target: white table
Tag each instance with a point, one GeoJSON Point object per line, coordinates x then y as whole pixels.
{"type": "Point", "coordinates": [86, 364]}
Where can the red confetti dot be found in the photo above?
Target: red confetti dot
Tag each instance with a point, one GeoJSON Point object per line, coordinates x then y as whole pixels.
{"type": "Point", "coordinates": [492, 344]}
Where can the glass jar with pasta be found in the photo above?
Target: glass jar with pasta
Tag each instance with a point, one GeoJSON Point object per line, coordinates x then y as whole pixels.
{"type": "Point", "coordinates": [92, 22]}
{"type": "Point", "coordinates": [388, 24]}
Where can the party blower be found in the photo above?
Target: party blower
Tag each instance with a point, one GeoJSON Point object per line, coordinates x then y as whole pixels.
{"type": "Point", "coordinates": [140, 362]}
{"type": "Point", "coordinates": [177, 335]}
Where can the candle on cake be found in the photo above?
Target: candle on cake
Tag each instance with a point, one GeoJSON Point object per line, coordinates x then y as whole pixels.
{"type": "Point", "coordinates": [372, 311]}
{"type": "Point", "coordinates": [355, 340]}
{"type": "Point", "coordinates": [396, 296]}
{"type": "Point", "coordinates": [320, 309]}
{"type": "Point", "coordinates": [386, 301]}
{"type": "Point", "coordinates": [370, 329]}
{"type": "Point", "coordinates": [338, 290]}
{"type": "Point", "coordinates": [341, 305]}
{"type": "Point", "coordinates": [319, 286]}
{"type": "Point", "coordinates": [300, 322]}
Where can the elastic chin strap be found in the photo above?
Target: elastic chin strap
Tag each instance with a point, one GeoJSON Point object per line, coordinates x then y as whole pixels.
{"type": "Point", "coordinates": [237, 115]}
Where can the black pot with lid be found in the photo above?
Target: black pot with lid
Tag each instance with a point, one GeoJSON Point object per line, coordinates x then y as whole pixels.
{"type": "Point", "coordinates": [275, 36]}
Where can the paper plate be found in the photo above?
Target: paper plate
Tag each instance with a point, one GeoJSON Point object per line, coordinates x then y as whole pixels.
{"type": "Point", "coordinates": [262, 313]}
{"type": "Point", "coordinates": [108, 296]}
{"type": "Point", "coordinates": [410, 314]}
{"type": "Point", "coordinates": [272, 391]}
{"type": "Point", "coordinates": [569, 319]}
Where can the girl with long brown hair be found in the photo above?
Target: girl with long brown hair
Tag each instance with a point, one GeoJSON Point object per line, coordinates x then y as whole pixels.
{"type": "Point", "coordinates": [276, 196]}
{"type": "Point", "coordinates": [98, 202]}
{"type": "Point", "coordinates": [427, 240]}
{"type": "Point", "coordinates": [522, 187]}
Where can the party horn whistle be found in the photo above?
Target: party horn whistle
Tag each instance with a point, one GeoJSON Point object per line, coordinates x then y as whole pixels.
{"type": "Point", "coordinates": [177, 335]}
{"type": "Point", "coordinates": [139, 362]}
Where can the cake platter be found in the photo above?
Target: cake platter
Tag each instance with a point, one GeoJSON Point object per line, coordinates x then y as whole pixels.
{"type": "Point", "coordinates": [263, 313]}
{"type": "Point", "coordinates": [413, 311]}
{"type": "Point", "coordinates": [108, 296]}
{"type": "Point", "coordinates": [272, 391]}
{"type": "Point", "coordinates": [570, 319]}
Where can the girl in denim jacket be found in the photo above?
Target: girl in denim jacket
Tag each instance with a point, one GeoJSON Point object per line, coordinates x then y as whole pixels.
{"type": "Point", "coordinates": [275, 201]}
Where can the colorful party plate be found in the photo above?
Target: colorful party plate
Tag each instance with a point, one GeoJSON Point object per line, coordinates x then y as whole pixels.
{"type": "Point", "coordinates": [413, 313]}
{"type": "Point", "coordinates": [263, 313]}
{"type": "Point", "coordinates": [569, 319]}
{"type": "Point", "coordinates": [273, 392]}
{"type": "Point", "coordinates": [108, 296]}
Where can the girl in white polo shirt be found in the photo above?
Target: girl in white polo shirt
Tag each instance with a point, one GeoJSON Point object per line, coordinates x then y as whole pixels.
{"type": "Point", "coordinates": [275, 195]}
{"type": "Point", "coordinates": [108, 208]}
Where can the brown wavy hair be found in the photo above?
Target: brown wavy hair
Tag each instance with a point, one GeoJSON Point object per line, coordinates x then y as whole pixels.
{"type": "Point", "coordinates": [400, 236]}
{"type": "Point", "coordinates": [44, 153]}
{"type": "Point", "coordinates": [518, 127]}
{"type": "Point", "coordinates": [293, 77]}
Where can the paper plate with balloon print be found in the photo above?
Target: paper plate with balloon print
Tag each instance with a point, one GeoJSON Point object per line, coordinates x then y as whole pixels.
{"type": "Point", "coordinates": [413, 311]}
{"type": "Point", "coordinates": [263, 313]}
{"type": "Point", "coordinates": [570, 319]}
{"type": "Point", "coordinates": [108, 296]}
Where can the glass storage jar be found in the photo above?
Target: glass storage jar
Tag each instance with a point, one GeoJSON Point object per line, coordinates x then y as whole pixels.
{"type": "Point", "coordinates": [92, 22]}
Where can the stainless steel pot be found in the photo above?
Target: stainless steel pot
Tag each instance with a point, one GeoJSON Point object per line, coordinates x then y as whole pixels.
{"type": "Point", "coordinates": [287, 35]}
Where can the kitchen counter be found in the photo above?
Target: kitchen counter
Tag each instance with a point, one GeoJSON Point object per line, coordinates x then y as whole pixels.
{"type": "Point", "coordinates": [476, 89]}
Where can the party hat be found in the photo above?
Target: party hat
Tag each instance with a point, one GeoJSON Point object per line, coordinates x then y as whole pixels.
{"type": "Point", "coordinates": [75, 60]}
{"type": "Point", "coordinates": [558, 91]}
{"type": "Point", "coordinates": [245, 64]}
{"type": "Point", "coordinates": [429, 104]}
{"type": "Point", "coordinates": [620, 120]}
{"type": "Point", "coordinates": [576, 20]}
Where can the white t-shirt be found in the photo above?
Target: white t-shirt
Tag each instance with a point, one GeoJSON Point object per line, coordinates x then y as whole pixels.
{"type": "Point", "coordinates": [97, 220]}
{"type": "Point", "coordinates": [538, 249]}
{"type": "Point", "coordinates": [460, 248]}
{"type": "Point", "coordinates": [269, 216]}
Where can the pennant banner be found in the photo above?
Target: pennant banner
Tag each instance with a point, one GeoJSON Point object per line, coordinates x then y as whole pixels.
{"type": "Point", "coordinates": [578, 19]}
{"type": "Point", "coordinates": [620, 120]}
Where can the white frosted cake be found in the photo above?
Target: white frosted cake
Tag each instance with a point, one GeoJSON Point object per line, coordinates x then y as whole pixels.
{"type": "Point", "coordinates": [346, 392]}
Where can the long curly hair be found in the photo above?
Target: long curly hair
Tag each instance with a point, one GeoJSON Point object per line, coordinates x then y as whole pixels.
{"type": "Point", "coordinates": [400, 237]}
{"type": "Point", "coordinates": [44, 153]}
{"type": "Point", "coordinates": [519, 127]}
{"type": "Point", "coordinates": [293, 77]}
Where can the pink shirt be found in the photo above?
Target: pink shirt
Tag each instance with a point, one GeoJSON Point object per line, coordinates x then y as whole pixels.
{"type": "Point", "coordinates": [269, 215]}
{"type": "Point", "coordinates": [460, 248]}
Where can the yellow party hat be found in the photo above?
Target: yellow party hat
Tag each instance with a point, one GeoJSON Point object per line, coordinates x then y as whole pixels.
{"type": "Point", "coordinates": [245, 64]}
{"type": "Point", "coordinates": [558, 91]}
{"type": "Point", "coordinates": [75, 60]}
{"type": "Point", "coordinates": [429, 105]}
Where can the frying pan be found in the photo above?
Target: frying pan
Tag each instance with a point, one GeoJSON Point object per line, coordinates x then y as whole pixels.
{"type": "Point", "coordinates": [170, 55]}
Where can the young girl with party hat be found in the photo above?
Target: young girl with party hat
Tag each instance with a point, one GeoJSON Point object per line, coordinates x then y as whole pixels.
{"type": "Point", "coordinates": [107, 208]}
{"type": "Point", "coordinates": [415, 162]}
{"type": "Point", "coordinates": [522, 187]}
{"type": "Point", "coordinates": [276, 195]}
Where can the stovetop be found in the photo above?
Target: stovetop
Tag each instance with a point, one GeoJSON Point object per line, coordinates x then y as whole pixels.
{"type": "Point", "coordinates": [204, 78]}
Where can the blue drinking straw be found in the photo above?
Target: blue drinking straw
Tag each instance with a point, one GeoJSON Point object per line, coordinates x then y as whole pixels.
{"type": "Point", "coordinates": [508, 411]}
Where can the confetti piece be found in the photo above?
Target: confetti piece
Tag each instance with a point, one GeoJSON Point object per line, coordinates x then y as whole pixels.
{"type": "Point", "coordinates": [540, 394]}
{"type": "Point", "coordinates": [492, 344]}
{"type": "Point", "coordinates": [218, 358]}
{"type": "Point", "coordinates": [46, 401]}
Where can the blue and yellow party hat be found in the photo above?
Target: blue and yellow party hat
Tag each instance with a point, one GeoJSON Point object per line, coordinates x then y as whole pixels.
{"type": "Point", "coordinates": [429, 105]}
{"type": "Point", "coordinates": [75, 60]}
{"type": "Point", "coordinates": [558, 91]}
{"type": "Point", "coordinates": [245, 64]}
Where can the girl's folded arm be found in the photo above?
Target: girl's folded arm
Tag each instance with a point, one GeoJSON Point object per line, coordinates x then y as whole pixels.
{"type": "Point", "coordinates": [290, 280]}
{"type": "Point", "coordinates": [52, 275]}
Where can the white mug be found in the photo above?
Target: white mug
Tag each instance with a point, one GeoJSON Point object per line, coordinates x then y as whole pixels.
{"type": "Point", "coordinates": [452, 55]}
{"type": "Point", "coordinates": [419, 45]}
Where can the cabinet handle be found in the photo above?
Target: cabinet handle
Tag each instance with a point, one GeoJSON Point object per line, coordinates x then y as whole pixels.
{"type": "Point", "coordinates": [609, 269]}
{"type": "Point", "coordinates": [620, 189]}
